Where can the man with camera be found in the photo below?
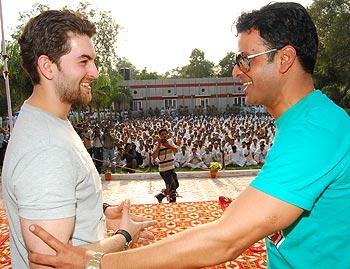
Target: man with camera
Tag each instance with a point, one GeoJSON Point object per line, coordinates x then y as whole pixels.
{"type": "Point", "coordinates": [164, 151]}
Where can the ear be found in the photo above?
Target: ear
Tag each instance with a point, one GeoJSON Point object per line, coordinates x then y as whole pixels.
{"type": "Point", "coordinates": [45, 67]}
{"type": "Point", "coordinates": [287, 56]}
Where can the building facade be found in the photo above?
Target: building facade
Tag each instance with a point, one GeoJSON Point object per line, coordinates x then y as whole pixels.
{"type": "Point", "coordinates": [185, 92]}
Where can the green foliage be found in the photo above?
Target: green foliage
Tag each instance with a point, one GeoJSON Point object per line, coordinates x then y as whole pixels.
{"type": "Point", "coordinates": [144, 74]}
{"type": "Point", "coordinates": [120, 96]}
{"type": "Point", "coordinates": [199, 67]}
{"type": "Point", "coordinates": [3, 104]}
{"type": "Point", "coordinates": [20, 84]}
{"type": "Point", "coordinates": [332, 74]}
{"type": "Point", "coordinates": [124, 63]}
{"type": "Point", "coordinates": [24, 17]}
{"type": "Point", "coordinates": [226, 65]}
{"type": "Point", "coordinates": [215, 166]}
{"type": "Point", "coordinates": [106, 37]}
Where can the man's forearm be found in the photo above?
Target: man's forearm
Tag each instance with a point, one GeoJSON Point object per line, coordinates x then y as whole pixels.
{"type": "Point", "coordinates": [195, 248]}
{"type": "Point", "coordinates": [111, 244]}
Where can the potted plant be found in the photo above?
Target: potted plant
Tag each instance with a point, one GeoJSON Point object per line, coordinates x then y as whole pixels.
{"type": "Point", "coordinates": [108, 173]}
{"type": "Point", "coordinates": [214, 168]}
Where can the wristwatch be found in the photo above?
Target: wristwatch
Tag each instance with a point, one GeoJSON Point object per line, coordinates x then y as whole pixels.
{"type": "Point", "coordinates": [105, 206]}
{"type": "Point", "coordinates": [95, 261]}
{"type": "Point", "coordinates": [127, 236]}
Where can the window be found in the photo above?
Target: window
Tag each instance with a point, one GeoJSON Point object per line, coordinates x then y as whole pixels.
{"type": "Point", "coordinates": [170, 103]}
{"type": "Point", "coordinates": [203, 102]}
{"type": "Point", "coordinates": [137, 105]}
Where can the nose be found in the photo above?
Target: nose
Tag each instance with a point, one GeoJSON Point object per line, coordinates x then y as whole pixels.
{"type": "Point", "coordinates": [236, 71]}
{"type": "Point", "coordinates": [93, 71]}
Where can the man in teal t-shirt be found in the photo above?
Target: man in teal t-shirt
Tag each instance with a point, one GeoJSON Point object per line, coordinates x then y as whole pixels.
{"type": "Point", "coordinates": [300, 200]}
{"type": "Point", "coordinates": [309, 167]}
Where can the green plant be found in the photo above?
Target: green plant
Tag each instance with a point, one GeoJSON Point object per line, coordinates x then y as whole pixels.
{"type": "Point", "coordinates": [215, 166]}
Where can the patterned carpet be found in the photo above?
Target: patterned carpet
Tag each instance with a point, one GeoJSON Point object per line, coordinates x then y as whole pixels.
{"type": "Point", "coordinates": [178, 217]}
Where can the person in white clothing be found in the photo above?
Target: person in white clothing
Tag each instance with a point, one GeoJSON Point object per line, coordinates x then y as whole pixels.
{"type": "Point", "coordinates": [181, 157]}
{"type": "Point", "coordinates": [195, 160]}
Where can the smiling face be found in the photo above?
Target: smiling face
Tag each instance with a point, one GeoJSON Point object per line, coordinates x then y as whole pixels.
{"type": "Point", "coordinates": [76, 71]}
{"type": "Point", "coordinates": [261, 80]}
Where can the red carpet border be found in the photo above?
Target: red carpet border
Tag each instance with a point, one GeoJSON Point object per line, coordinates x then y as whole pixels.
{"type": "Point", "coordinates": [173, 218]}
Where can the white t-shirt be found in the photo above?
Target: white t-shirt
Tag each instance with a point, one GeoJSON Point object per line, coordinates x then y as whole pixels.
{"type": "Point", "coordinates": [48, 175]}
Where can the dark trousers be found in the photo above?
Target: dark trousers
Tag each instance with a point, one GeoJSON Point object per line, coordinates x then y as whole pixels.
{"type": "Point", "coordinates": [98, 155]}
{"type": "Point", "coordinates": [171, 182]}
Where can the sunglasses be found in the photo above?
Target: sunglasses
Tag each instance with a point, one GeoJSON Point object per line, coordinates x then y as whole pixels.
{"type": "Point", "coordinates": [244, 60]}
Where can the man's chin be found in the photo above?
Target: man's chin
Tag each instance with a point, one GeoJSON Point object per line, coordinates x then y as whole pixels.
{"type": "Point", "coordinates": [83, 101]}
{"type": "Point", "coordinates": [251, 101]}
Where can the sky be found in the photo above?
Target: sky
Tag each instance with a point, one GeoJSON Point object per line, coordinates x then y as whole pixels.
{"type": "Point", "coordinates": [161, 34]}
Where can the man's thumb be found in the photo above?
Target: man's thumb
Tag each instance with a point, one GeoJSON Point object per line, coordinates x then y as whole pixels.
{"type": "Point", "coordinates": [126, 206]}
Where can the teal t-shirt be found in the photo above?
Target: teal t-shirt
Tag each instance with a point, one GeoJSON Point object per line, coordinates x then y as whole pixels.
{"type": "Point", "coordinates": [309, 166]}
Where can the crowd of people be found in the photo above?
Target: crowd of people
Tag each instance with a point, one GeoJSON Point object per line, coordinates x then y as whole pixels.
{"type": "Point", "coordinates": [236, 140]}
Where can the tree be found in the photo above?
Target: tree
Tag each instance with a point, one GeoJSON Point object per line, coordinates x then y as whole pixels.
{"type": "Point", "coordinates": [124, 63]}
{"type": "Point", "coordinates": [106, 38]}
{"type": "Point", "coordinates": [24, 17]}
{"type": "Point", "coordinates": [20, 84]}
{"type": "Point", "coordinates": [226, 65]}
{"type": "Point", "coordinates": [100, 94]}
{"type": "Point", "coordinates": [120, 96]}
{"type": "Point", "coordinates": [144, 74]}
{"type": "Point", "coordinates": [332, 73]}
{"type": "Point", "coordinates": [199, 67]}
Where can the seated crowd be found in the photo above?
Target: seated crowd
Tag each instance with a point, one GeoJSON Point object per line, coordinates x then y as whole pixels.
{"type": "Point", "coordinates": [236, 140]}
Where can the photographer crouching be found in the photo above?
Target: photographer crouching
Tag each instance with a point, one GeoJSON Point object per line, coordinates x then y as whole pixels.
{"type": "Point", "coordinates": [164, 151]}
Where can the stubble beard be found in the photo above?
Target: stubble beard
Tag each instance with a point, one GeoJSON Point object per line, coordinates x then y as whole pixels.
{"type": "Point", "coordinates": [70, 92]}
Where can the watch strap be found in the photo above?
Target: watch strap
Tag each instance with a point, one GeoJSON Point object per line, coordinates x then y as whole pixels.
{"type": "Point", "coordinates": [126, 235]}
{"type": "Point", "coordinates": [105, 206]}
{"type": "Point", "coordinates": [95, 261]}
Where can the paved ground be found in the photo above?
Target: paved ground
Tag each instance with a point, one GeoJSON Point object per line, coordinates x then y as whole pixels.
{"type": "Point", "coordinates": [193, 187]}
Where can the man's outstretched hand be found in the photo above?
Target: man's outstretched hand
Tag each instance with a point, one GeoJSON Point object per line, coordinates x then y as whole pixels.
{"type": "Point", "coordinates": [136, 225]}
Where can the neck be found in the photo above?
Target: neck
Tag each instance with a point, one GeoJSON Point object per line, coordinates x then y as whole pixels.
{"type": "Point", "coordinates": [48, 101]}
{"type": "Point", "coordinates": [291, 93]}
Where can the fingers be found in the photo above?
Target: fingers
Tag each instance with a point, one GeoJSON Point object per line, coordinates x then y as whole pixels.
{"type": "Point", "coordinates": [144, 238]}
{"type": "Point", "coordinates": [43, 259]}
{"type": "Point", "coordinates": [126, 208]}
{"type": "Point", "coordinates": [149, 223]}
{"type": "Point", "coordinates": [51, 241]}
{"type": "Point", "coordinates": [120, 207]}
{"type": "Point", "coordinates": [146, 235]}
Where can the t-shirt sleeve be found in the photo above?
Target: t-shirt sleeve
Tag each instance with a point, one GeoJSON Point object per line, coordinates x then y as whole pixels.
{"type": "Point", "coordinates": [298, 165]}
{"type": "Point", "coordinates": [45, 189]}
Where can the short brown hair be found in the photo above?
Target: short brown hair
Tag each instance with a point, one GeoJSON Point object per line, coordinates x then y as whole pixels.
{"type": "Point", "coordinates": [48, 34]}
{"type": "Point", "coordinates": [163, 130]}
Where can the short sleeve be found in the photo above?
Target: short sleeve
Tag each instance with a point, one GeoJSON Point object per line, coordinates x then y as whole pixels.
{"type": "Point", "coordinates": [298, 165]}
{"type": "Point", "coordinates": [45, 187]}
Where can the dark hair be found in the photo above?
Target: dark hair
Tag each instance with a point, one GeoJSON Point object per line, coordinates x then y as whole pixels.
{"type": "Point", "coordinates": [163, 130]}
{"type": "Point", "coordinates": [281, 24]}
{"type": "Point", "coordinates": [49, 34]}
